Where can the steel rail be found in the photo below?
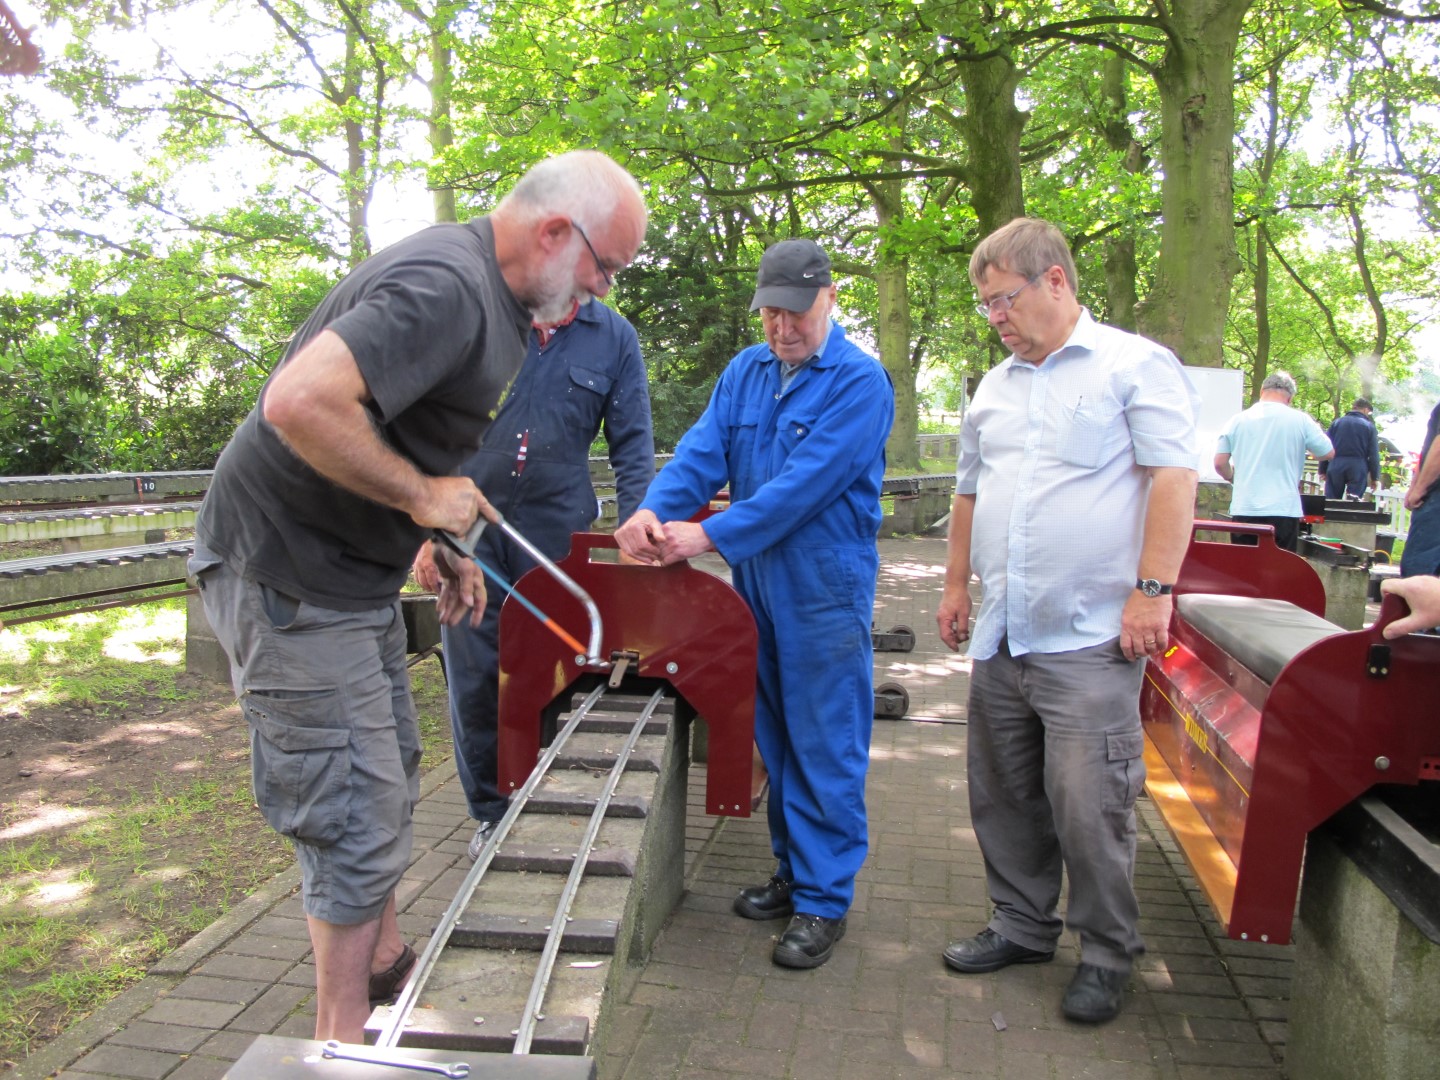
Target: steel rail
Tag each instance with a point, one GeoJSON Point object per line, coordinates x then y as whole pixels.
{"type": "Point", "coordinates": [389, 1035]}
{"type": "Point", "coordinates": [133, 601]}
{"type": "Point", "coordinates": [525, 1032]}
{"type": "Point", "coordinates": [40, 564]}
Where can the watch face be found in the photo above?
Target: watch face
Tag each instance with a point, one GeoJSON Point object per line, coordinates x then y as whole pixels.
{"type": "Point", "coordinates": [1150, 587]}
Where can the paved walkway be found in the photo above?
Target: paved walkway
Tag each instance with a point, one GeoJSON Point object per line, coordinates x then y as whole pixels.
{"type": "Point", "coordinates": [709, 1004]}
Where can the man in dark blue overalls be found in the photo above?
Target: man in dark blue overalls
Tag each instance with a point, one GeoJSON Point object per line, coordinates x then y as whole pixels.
{"type": "Point", "coordinates": [580, 375]}
{"type": "Point", "coordinates": [1356, 464]}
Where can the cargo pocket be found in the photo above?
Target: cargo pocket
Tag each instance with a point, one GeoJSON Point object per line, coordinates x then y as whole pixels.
{"type": "Point", "coordinates": [1125, 766]}
{"type": "Point", "coordinates": [300, 763]}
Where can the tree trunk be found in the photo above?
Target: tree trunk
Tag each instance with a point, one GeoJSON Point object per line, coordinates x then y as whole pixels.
{"type": "Point", "coordinates": [1261, 367]}
{"type": "Point", "coordinates": [991, 129]}
{"type": "Point", "coordinates": [442, 127]}
{"type": "Point", "coordinates": [892, 321]}
{"type": "Point", "coordinates": [356, 179]}
{"type": "Point", "coordinates": [1186, 308]}
{"type": "Point", "coordinates": [892, 330]}
{"type": "Point", "coordinates": [1121, 266]}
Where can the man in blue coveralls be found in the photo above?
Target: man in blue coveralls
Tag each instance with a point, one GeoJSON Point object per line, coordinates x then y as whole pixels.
{"type": "Point", "coordinates": [580, 375]}
{"type": "Point", "coordinates": [797, 428]}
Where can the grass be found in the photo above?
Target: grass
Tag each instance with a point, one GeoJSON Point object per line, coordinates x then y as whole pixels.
{"type": "Point", "coordinates": [100, 877]}
{"type": "Point", "coordinates": [100, 661]}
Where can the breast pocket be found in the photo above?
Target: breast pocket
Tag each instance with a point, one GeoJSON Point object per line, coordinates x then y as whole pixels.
{"type": "Point", "coordinates": [792, 430]}
{"type": "Point", "coordinates": [743, 423]}
{"type": "Point", "coordinates": [590, 379]}
{"type": "Point", "coordinates": [1085, 429]}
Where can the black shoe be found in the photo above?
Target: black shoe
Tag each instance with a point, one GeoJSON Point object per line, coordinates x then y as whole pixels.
{"type": "Point", "coordinates": [988, 951]}
{"type": "Point", "coordinates": [808, 941]}
{"type": "Point", "coordinates": [1095, 994]}
{"type": "Point", "coordinates": [768, 901]}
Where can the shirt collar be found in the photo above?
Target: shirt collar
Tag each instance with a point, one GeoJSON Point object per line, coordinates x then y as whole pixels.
{"type": "Point", "coordinates": [546, 332]}
{"type": "Point", "coordinates": [1084, 338]}
{"type": "Point", "coordinates": [814, 358]}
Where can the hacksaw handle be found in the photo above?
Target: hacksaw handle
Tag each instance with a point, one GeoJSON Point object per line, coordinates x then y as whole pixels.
{"type": "Point", "coordinates": [463, 545]}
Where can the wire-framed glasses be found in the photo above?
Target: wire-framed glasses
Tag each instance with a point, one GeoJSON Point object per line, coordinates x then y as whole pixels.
{"type": "Point", "coordinates": [1005, 302]}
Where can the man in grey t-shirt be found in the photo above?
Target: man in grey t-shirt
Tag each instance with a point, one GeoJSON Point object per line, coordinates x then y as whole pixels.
{"type": "Point", "coordinates": [319, 504]}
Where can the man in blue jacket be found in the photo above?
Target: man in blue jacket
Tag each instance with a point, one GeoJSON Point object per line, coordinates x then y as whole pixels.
{"type": "Point", "coordinates": [580, 375]}
{"type": "Point", "coordinates": [797, 428]}
{"type": "Point", "coordinates": [1356, 464]}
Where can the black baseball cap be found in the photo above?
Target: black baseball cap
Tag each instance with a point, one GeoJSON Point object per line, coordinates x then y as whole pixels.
{"type": "Point", "coordinates": [792, 273]}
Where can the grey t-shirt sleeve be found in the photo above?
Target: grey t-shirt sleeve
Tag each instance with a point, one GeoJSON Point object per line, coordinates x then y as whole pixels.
{"type": "Point", "coordinates": [412, 331]}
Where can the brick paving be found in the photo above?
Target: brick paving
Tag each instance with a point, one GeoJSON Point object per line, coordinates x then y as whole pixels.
{"type": "Point", "coordinates": [709, 1004]}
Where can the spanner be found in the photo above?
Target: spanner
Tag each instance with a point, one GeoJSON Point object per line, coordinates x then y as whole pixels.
{"type": "Point", "coordinates": [336, 1050]}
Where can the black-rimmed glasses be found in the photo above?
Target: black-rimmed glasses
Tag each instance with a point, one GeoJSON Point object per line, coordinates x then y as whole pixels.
{"type": "Point", "coordinates": [1005, 302]}
{"type": "Point", "coordinates": [609, 281]}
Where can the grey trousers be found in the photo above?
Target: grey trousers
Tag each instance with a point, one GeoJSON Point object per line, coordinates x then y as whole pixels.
{"type": "Point", "coordinates": [1055, 766]}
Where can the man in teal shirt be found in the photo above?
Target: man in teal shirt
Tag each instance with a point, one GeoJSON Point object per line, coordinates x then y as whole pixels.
{"type": "Point", "coordinates": [1262, 452]}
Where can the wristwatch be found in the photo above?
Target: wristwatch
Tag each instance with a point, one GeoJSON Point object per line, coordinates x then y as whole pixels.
{"type": "Point", "coordinates": [1150, 587]}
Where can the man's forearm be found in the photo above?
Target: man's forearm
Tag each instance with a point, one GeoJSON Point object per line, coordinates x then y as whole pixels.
{"type": "Point", "coordinates": [1429, 470]}
{"type": "Point", "coordinates": [1169, 516]}
{"type": "Point", "coordinates": [957, 558]}
{"type": "Point", "coordinates": [346, 449]}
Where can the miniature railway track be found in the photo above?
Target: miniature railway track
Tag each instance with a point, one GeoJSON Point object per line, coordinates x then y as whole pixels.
{"type": "Point", "coordinates": [40, 492]}
{"type": "Point", "coordinates": [520, 959]}
{"type": "Point", "coordinates": [38, 521]}
{"type": "Point", "coordinates": [77, 560]}
{"type": "Point", "coordinates": [110, 577]}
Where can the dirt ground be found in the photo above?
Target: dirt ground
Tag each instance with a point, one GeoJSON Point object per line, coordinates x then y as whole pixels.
{"type": "Point", "coordinates": [122, 860]}
{"type": "Point", "coordinates": [77, 756]}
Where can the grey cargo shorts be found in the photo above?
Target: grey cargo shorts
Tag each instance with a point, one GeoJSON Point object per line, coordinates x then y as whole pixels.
{"type": "Point", "coordinates": [335, 744]}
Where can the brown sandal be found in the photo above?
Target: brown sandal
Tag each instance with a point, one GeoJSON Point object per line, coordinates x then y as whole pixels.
{"type": "Point", "coordinates": [385, 985]}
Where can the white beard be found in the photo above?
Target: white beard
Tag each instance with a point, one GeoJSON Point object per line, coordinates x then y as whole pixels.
{"type": "Point", "coordinates": [557, 290]}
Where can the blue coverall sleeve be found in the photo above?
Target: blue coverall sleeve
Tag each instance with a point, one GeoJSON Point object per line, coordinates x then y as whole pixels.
{"type": "Point", "coordinates": [847, 438]}
{"type": "Point", "coordinates": [627, 423]}
{"type": "Point", "coordinates": [697, 470]}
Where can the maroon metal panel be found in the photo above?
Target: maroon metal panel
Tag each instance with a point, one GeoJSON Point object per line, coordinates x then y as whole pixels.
{"type": "Point", "coordinates": [1262, 765]}
{"type": "Point", "coordinates": [1330, 731]}
{"type": "Point", "coordinates": [1265, 571]}
{"type": "Point", "coordinates": [689, 628]}
{"type": "Point", "coordinates": [1206, 731]}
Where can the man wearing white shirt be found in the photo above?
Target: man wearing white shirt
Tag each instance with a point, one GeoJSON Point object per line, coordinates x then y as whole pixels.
{"type": "Point", "coordinates": [1262, 452]}
{"type": "Point", "coordinates": [1075, 493]}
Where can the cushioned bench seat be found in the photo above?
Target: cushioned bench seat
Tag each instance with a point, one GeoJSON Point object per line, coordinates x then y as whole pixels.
{"type": "Point", "coordinates": [1264, 635]}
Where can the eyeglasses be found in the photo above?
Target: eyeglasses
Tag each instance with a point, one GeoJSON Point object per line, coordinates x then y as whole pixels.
{"type": "Point", "coordinates": [1006, 302]}
{"type": "Point", "coordinates": [609, 281]}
